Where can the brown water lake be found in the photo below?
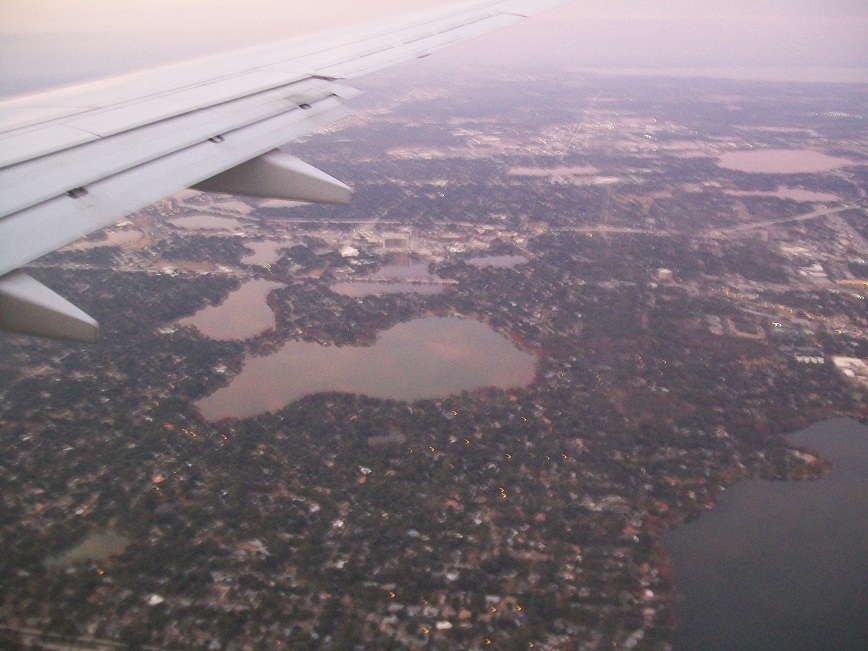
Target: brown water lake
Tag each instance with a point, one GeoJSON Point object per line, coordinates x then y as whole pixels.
{"type": "Point", "coordinates": [206, 223]}
{"type": "Point", "coordinates": [412, 278]}
{"type": "Point", "coordinates": [413, 271]}
{"type": "Point", "coordinates": [264, 253]}
{"type": "Point", "coordinates": [97, 546]}
{"type": "Point", "coordinates": [431, 357]}
{"type": "Point", "coordinates": [781, 161]}
{"type": "Point", "coordinates": [243, 314]}
{"type": "Point", "coordinates": [499, 261]}
{"type": "Point", "coordinates": [113, 238]}
{"type": "Point", "coordinates": [360, 288]}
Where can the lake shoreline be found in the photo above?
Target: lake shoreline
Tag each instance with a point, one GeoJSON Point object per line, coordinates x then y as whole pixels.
{"type": "Point", "coordinates": [745, 549]}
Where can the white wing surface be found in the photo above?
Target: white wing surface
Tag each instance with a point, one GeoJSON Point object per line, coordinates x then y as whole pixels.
{"type": "Point", "coordinates": [77, 159]}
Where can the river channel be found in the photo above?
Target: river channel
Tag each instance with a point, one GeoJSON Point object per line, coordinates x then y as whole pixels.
{"type": "Point", "coordinates": [783, 564]}
{"type": "Point", "coordinates": [431, 357]}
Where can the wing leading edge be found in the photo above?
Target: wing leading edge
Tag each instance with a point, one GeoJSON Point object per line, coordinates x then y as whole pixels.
{"type": "Point", "coordinates": [77, 159]}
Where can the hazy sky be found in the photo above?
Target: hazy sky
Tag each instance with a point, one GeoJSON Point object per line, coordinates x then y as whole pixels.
{"type": "Point", "coordinates": [45, 42]}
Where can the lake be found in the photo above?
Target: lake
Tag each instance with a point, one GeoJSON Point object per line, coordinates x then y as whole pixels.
{"type": "Point", "coordinates": [96, 547]}
{"type": "Point", "coordinates": [113, 238]}
{"type": "Point", "coordinates": [498, 261]}
{"type": "Point", "coordinates": [432, 357]}
{"type": "Point", "coordinates": [783, 564]}
{"type": "Point", "coordinates": [206, 223]}
{"type": "Point", "coordinates": [412, 271]}
{"type": "Point", "coordinates": [360, 288]}
{"type": "Point", "coordinates": [264, 253]}
{"type": "Point", "coordinates": [411, 278]}
{"type": "Point", "coordinates": [244, 314]}
{"type": "Point", "coordinates": [781, 161]}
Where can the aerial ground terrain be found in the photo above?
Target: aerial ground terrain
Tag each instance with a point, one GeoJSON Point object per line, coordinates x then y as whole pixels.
{"type": "Point", "coordinates": [678, 266]}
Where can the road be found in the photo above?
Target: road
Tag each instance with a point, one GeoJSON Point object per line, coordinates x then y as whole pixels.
{"type": "Point", "coordinates": [820, 212]}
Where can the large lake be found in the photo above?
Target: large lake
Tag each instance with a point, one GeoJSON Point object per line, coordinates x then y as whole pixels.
{"type": "Point", "coordinates": [412, 278]}
{"type": "Point", "coordinates": [781, 161]}
{"type": "Point", "coordinates": [498, 261]}
{"type": "Point", "coordinates": [784, 564]}
{"type": "Point", "coordinates": [96, 547]}
{"type": "Point", "coordinates": [412, 271]}
{"type": "Point", "coordinates": [244, 314]}
{"type": "Point", "coordinates": [432, 357]}
{"type": "Point", "coordinates": [113, 238]}
{"type": "Point", "coordinates": [206, 223]}
{"type": "Point", "coordinates": [360, 288]}
{"type": "Point", "coordinates": [264, 253]}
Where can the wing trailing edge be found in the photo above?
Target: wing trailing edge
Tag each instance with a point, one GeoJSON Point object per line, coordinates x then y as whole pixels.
{"type": "Point", "coordinates": [29, 307]}
{"type": "Point", "coordinates": [278, 175]}
{"type": "Point", "coordinates": [75, 160]}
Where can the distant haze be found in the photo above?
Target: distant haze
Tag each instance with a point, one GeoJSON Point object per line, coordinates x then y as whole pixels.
{"type": "Point", "coordinates": [50, 42]}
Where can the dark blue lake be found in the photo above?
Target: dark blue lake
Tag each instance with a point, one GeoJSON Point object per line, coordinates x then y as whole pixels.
{"type": "Point", "coordinates": [781, 565]}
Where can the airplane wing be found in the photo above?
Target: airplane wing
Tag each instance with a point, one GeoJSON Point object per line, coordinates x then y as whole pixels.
{"type": "Point", "coordinates": [77, 159]}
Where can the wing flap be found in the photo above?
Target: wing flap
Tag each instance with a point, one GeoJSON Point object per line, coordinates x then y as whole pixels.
{"type": "Point", "coordinates": [107, 156]}
{"type": "Point", "coordinates": [20, 146]}
{"type": "Point", "coordinates": [15, 117]}
{"type": "Point", "coordinates": [231, 88]}
{"type": "Point", "coordinates": [77, 114]}
{"type": "Point", "coordinates": [47, 226]}
{"type": "Point", "coordinates": [28, 143]}
{"type": "Point", "coordinates": [108, 122]}
{"type": "Point", "coordinates": [75, 160]}
{"type": "Point", "coordinates": [29, 307]}
{"type": "Point", "coordinates": [278, 175]}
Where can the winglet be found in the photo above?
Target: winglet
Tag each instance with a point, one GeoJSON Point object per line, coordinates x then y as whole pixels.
{"type": "Point", "coordinates": [278, 175]}
{"type": "Point", "coordinates": [29, 307]}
